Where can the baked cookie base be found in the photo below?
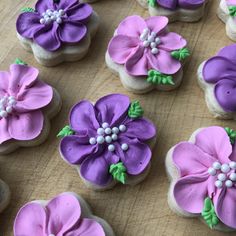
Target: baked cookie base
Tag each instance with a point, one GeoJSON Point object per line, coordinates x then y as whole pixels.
{"type": "Point", "coordinates": [5, 195]}
{"type": "Point", "coordinates": [49, 112]}
{"type": "Point", "coordinates": [212, 104]}
{"type": "Point", "coordinates": [230, 23]}
{"type": "Point", "coordinates": [66, 53]}
{"type": "Point", "coordinates": [173, 175]}
{"type": "Point", "coordinates": [139, 85]}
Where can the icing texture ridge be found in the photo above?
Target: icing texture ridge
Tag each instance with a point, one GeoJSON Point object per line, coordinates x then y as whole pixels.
{"type": "Point", "coordinates": [220, 71]}
{"type": "Point", "coordinates": [54, 24]}
{"type": "Point", "coordinates": [207, 176]}
{"type": "Point", "coordinates": [145, 44]}
{"type": "Point", "coordinates": [22, 98]}
{"type": "Point", "coordinates": [60, 216]}
{"type": "Point", "coordinates": [109, 139]}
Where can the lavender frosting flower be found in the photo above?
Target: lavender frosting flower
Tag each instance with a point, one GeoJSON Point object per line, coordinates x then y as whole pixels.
{"type": "Point", "coordinates": [173, 4]}
{"type": "Point", "coordinates": [55, 23]}
{"type": "Point", "coordinates": [104, 135]}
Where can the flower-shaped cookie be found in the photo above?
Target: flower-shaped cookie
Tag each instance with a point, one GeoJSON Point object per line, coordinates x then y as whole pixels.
{"type": "Point", "coordinates": [26, 104]}
{"type": "Point", "coordinates": [227, 13]}
{"type": "Point", "coordinates": [4, 195]}
{"type": "Point", "coordinates": [146, 55]}
{"type": "Point", "coordinates": [217, 77]}
{"type": "Point", "coordinates": [203, 175]}
{"type": "Point", "coordinates": [108, 141]}
{"type": "Point", "coordinates": [57, 30]}
{"type": "Point", "coordinates": [66, 214]}
{"type": "Point", "coordinates": [182, 10]}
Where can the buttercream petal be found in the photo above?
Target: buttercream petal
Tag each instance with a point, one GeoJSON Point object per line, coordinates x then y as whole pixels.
{"type": "Point", "coordinates": [4, 134]}
{"type": "Point", "coordinates": [215, 142]}
{"type": "Point", "coordinates": [30, 220]}
{"type": "Point", "coordinates": [172, 4]}
{"type": "Point", "coordinates": [26, 126]}
{"type": "Point", "coordinates": [191, 4]}
{"type": "Point", "coordinates": [41, 6]}
{"type": "Point", "coordinates": [4, 82]}
{"type": "Point", "coordinates": [121, 47]}
{"type": "Point", "coordinates": [157, 23]}
{"type": "Point", "coordinates": [79, 12]}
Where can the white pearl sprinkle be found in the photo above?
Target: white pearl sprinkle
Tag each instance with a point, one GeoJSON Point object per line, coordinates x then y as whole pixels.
{"type": "Point", "coordinates": [232, 165]}
{"type": "Point", "coordinates": [146, 31]}
{"type": "Point", "coordinates": [9, 109]}
{"type": "Point", "coordinates": [100, 140]}
{"type": "Point", "coordinates": [59, 20]}
{"type": "Point", "coordinates": [53, 17]}
{"type": "Point", "coordinates": [153, 45]}
{"type": "Point", "coordinates": [114, 137]}
{"type": "Point", "coordinates": [12, 102]}
{"type": "Point", "coordinates": [48, 11]}
{"type": "Point", "coordinates": [212, 171]}
{"type": "Point", "coordinates": [108, 131]}
{"type": "Point", "coordinates": [157, 40]}
{"type": "Point", "coordinates": [100, 131]}
{"type": "Point", "coordinates": [228, 183]}
{"type": "Point", "coordinates": [218, 184]}
{"type": "Point", "coordinates": [3, 114]}
{"type": "Point", "coordinates": [122, 128]}
{"type": "Point", "coordinates": [225, 168]}
{"type": "Point", "coordinates": [124, 147]}
{"type": "Point", "coordinates": [151, 38]}
{"type": "Point", "coordinates": [232, 176]}
{"type": "Point", "coordinates": [154, 51]}
{"type": "Point", "coordinates": [216, 165]}
{"type": "Point", "coordinates": [143, 37]}
{"type": "Point", "coordinates": [153, 34]}
{"type": "Point", "coordinates": [108, 139]}
{"type": "Point", "coordinates": [105, 125]}
{"type": "Point", "coordinates": [146, 43]}
{"type": "Point", "coordinates": [42, 21]}
{"type": "Point", "coordinates": [61, 12]}
{"type": "Point", "coordinates": [111, 148]}
{"type": "Point", "coordinates": [221, 177]}
{"type": "Point", "coordinates": [92, 141]}
{"type": "Point", "coordinates": [115, 130]}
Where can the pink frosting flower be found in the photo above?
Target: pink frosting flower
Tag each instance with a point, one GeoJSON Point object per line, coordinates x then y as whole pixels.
{"type": "Point", "coordinates": [22, 97]}
{"type": "Point", "coordinates": [207, 169]}
{"type": "Point", "coordinates": [142, 45]}
{"type": "Point", "coordinates": [59, 217]}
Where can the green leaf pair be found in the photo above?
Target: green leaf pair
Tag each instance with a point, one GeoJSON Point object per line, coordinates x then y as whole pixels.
{"type": "Point", "coordinates": [180, 54]}
{"type": "Point", "coordinates": [18, 61]}
{"type": "Point", "coordinates": [118, 171]}
{"type": "Point", "coordinates": [135, 110]}
{"type": "Point", "coordinates": [232, 10]}
{"type": "Point", "coordinates": [66, 131]}
{"type": "Point", "coordinates": [232, 134]}
{"type": "Point", "coordinates": [28, 9]}
{"type": "Point", "coordinates": [156, 77]}
{"type": "Point", "coordinates": [152, 3]}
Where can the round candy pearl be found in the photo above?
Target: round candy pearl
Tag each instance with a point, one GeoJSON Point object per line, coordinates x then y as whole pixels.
{"type": "Point", "coordinates": [216, 165]}
{"type": "Point", "coordinates": [143, 37]}
{"type": "Point", "coordinates": [9, 109]}
{"type": "Point", "coordinates": [146, 43]}
{"type": "Point", "coordinates": [53, 17]}
{"type": "Point", "coordinates": [228, 183]}
{"type": "Point", "coordinates": [115, 130]}
{"type": "Point", "coordinates": [146, 31]}
{"type": "Point", "coordinates": [111, 148]}
{"type": "Point", "coordinates": [3, 113]}
{"type": "Point", "coordinates": [108, 139]}
{"type": "Point", "coordinates": [59, 20]}
{"type": "Point", "coordinates": [100, 140]}
{"type": "Point", "coordinates": [42, 21]}
{"type": "Point", "coordinates": [232, 165]}
{"type": "Point", "coordinates": [105, 125]}
{"type": "Point", "coordinates": [221, 177]}
{"type": "Point", "coordinates": [100, 131]}
{"type": "Point", "coordinates": [225, 168]}
{"type": "Point", "coordinates": [218, 184]}
{"type": "Point", "coordinates": [122, 128]}
{"type": "Point", "coordinates": [155, 51]}
{"type": "Point", "coordinates": [151, 38]}
{"type": "Point", "coordinates": [212, 171]}
{"type": "Point", "coordinates": [92, 141]}
{"type": "Point", "coordinates": [153, 34]}
{"type": "Point", "coordinates": [108, 131]}
{"type": "Point", "coordinates": [153, 45]}
{"type": "Point", "coordinates": [232, 176]}
{"type": "Point", "coordinates": [157, 40]}
{"type": "Point", "coordinates": [48, 11]}
{"type": "Point", "coordinates": [61, 12]}
{"type": "Point", "coordinates": [124, 146]}
{"type": "Point", "coordinates": [114, 137]}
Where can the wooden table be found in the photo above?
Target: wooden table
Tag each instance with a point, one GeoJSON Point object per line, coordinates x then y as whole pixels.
{"type": "Point", "coordinates": [40, 173]}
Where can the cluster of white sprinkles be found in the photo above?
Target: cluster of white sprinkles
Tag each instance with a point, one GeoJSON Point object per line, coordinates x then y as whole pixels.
{"type": "Point", "coordinates": [107, 135]}
{"type": "Point", "coordinates": [150, 39]}
{"type": "Point", "coordinates": [225, 173]}
{"type": "Point", "coordinates": [52, 16]}
{"type": "Point", "coordinates": [6, 105]}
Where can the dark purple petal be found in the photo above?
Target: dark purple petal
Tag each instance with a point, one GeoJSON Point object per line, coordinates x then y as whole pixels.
{"type": "Point", "coordinates": [67, 4]}
{"type": "Point", "coordinates": [28, 24]}
{"type": "Point", "coordinates": [191, 4]}
{"type": "Point", "coordinates": [71, 32]}
{"type": "Point", "coordinates": [79, 12]}
{"type": "Point", "coordinates": [229, 52]}
{"type": "Point", "coordinates": [170, 4]}
{"type": "Point", "coordinates": [112, 108]}
{"type": "Point", "coordinates": [43, 5]}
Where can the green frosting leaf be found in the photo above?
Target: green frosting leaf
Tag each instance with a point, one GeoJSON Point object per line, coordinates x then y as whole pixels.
{"type": "Point", "coordinates": [118, 171]}
{"type": "Point", "coordinates": [28, 9]}
{"type": "Point", "coordinates": [232, 10]}
{"type": "Point", "coordinates": [180, 54]}
{"type": "Point", "coordinates": [135, 110]}
{"type": "Point", "coordinates": [208, 213]}
{"type": "Point", "coordinates": [157, 77]}
{"type": "Point", "coordinates": [66, 131]}
{"type": "Point", "coordinates": [18, 61]}
{"type": "Point", "coordinates": [152, 3]}
{"type": "Point", "coordinates": [232, 134]}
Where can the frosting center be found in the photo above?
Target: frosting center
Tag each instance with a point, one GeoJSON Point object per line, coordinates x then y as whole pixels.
{"type": "Point", "coordinates": [150, 40]}
{"type": "Point", "coordinates": [225, 174]}
{"type": "Point", "coordinates": [107, 135]}
{"type": "Point", "coordinates": [6, 105]}
{"type": "Point", "coordinates": [50, 16]}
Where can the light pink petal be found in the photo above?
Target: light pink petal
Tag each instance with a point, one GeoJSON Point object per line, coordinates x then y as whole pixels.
{"type": "Point", "coordinates": [87, 227]}
{"type": "Point", "coordinates": [157, 23]}
{"type": "Point", "coordinates": [215, 142]}
{"type": "Point", "coordinates": [4, 80]}
{"type": "Point", "coordinates": [164, 62]}
{"type": "Point", "coordinates": [121, 47]}
{"type": "Point", "coordinates": [21, 77]}
{"type": "Point", "coordinates": [30, 220]}
{"type": "Point", "coordinates": [137, 64]}
{"type": "Point", "coordinates": [132, 26]}
{"type": "Point", "coordinates": [4, 134]}
{"type": "Point", "coordinates": [190, 159]}
{"type": "Point", "coordinates": [172, 41]}
{"type": "Point", "coordinates": [64, 212]}
{"type": "Point", "coordinates": [26, 126]}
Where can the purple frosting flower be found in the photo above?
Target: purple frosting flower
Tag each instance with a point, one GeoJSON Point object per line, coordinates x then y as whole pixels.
{"type": "Point", "coordinates": [54, 24]}
{"type": "Point", "coordinates": [173, 4]}
{"type": "Point", "coordinates": [105, 135]}
{"type": "Point", "coordinates": [221, 72]}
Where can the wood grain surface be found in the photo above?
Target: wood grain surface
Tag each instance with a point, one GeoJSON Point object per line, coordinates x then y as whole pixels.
{"type": "Point", "coordinates": [40, 173]}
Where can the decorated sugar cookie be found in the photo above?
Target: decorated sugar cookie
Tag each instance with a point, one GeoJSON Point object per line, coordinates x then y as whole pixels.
{"type": "Point", "coordinates": [217, 78]}
{"type": "Point", "coordinates": [203, 177]}
{"type": "Point", "coordinates": [176, 10]}
{"type": "Point", "coordinates": [66, 214]}
{"type": "Point", "coordinates": [57, 30]}
{"type": "Point", "coordinates": [227, 13]}
{"type": "Point", "coordinates": [146, 55]}
{"type": "Point", "coordinates": [4, 195]}
{"type": "Point", "coordinates": [26, 106]}
{"type": "Point", "coordinates": [108, 142]}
